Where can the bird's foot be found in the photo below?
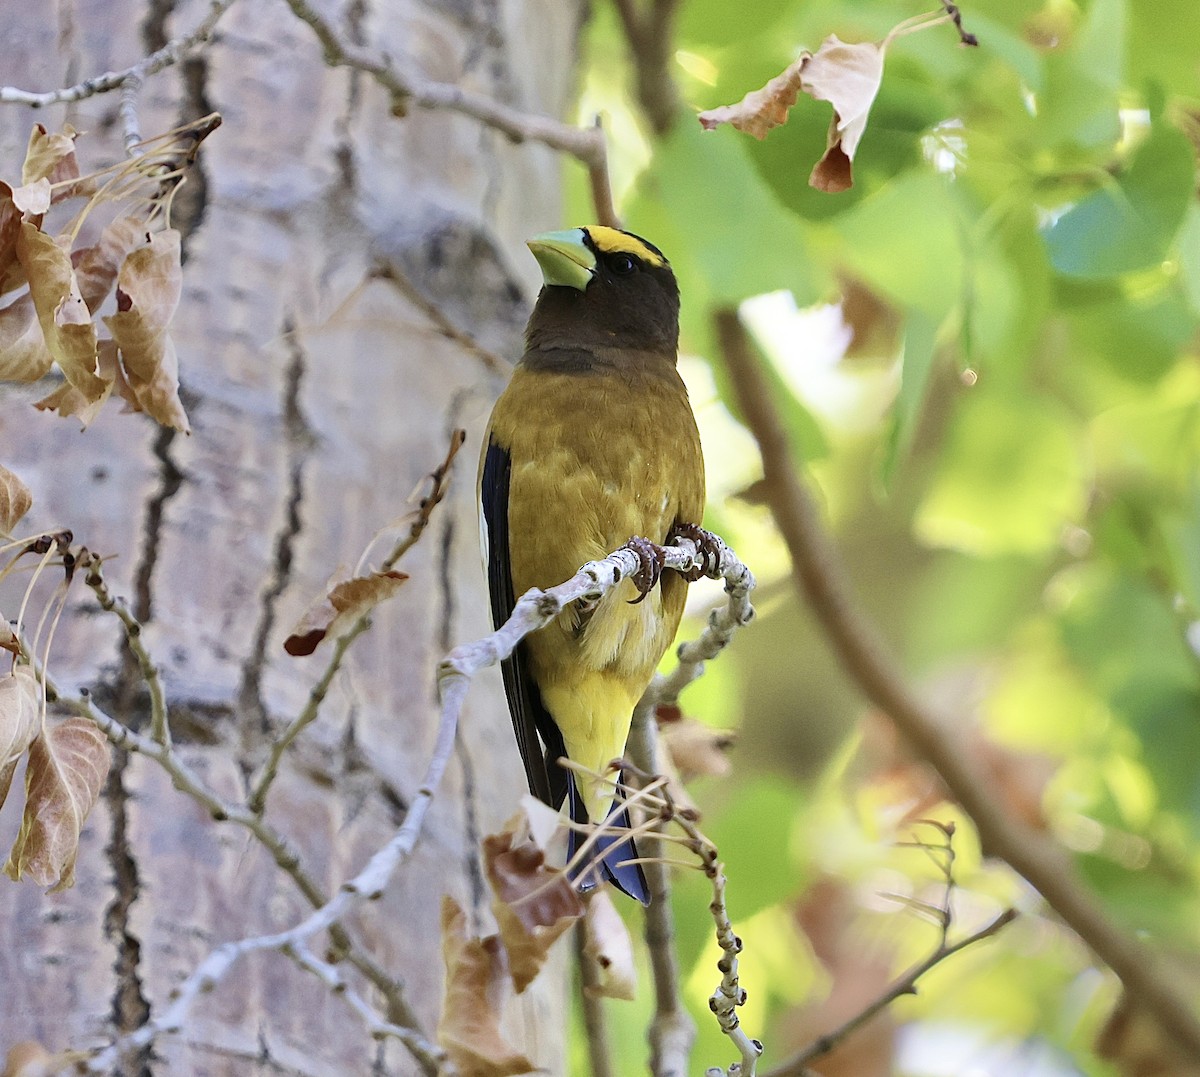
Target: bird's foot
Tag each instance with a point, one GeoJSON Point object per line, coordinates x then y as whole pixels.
{"type": "Point", "coordinates": [708, 550]}
{"type": "Point", "coordinates": [651, 559]}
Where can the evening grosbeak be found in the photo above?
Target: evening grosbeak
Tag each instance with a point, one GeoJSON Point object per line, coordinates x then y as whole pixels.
{"type": "Point", "coordinates": [592, 445]}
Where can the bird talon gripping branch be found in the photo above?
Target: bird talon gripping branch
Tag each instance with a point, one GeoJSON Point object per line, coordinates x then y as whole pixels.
{"type": "Point", "coordinates": [708, 548]}
{"type": "Point", "coordinates": [651, 559]}
{"type": "Point", "coordinates": [592, 441]}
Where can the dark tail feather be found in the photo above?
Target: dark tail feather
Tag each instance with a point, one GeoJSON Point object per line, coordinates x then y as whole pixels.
{"type": "Point", "coordinates": [607, 854]}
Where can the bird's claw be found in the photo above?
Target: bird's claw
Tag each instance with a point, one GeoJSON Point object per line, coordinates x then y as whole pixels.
{"type": "Point", "coordinates": [651, 559]}
{"type": "Point", "coordinates": [708, 551]}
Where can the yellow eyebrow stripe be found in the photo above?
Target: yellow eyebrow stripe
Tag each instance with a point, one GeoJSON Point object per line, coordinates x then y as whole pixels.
{"type": "Point", "coordinates": [607, 240]}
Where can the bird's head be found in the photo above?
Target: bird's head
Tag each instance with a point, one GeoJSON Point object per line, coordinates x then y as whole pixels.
{"type": "Point", "coordinates": [604, 288]}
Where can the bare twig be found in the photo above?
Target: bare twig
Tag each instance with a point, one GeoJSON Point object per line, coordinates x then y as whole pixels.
{"type": "Point", "coordinates": [672, 1031]}
{"type": "Point", "coordinates": [440, 481]}
{"type": "Point", "coordinates": [129, 81]}
{"type": "Point", "coordinates": [650, 31]}
{"type": "Point", "coordinates": [595, 1026]}
{"type": "Point", "coordinates": [586, 144]}
{"type": "Point", "coordinates": [285, 855]}
{"type": "Point", "coordinates": [905, 985]}
{"type": "Point", "coordinates": [821, 578]}
{"type": "Point", "coordinates": [493, 362]}
{"type": "Point", "coordinates": [956, 18]}
{"type": "Point", "coordinates": [535, 609]}
{"type": "Point", "coordinates": [160, 727]}
{"type": "Point", "coordinates": [729, 994]}
{"type": "Point", "coordinates": [367, 885]}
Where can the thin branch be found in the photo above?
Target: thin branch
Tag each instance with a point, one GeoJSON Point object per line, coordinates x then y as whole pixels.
{"type": "Point", "coordinates": [585, 144]}
{"type": "Point", "coordinates": [535, 609]}
{"type": "Point", "coordinates": [595, 1026]}
{"type": "Point", "coordinates": [493, 362]}
{"type": "Point", "coordinates": [286, 857]}
{"type": "Point", "coordinates": [956, 18]}
{"type": "Point", "coordinates": [650, 32]}
{"type": "Point", "coordinates": [821, 578]}
{"type": "Point", "coordinates": [729, 994]}
{"type": "Point", "coordinates": [672, 1031]}
{"type": "Point", "coordinates": [905, 985]}
{"type": "Point", "coordinates": [160, 727]}
{"type": "Point", "coordinates": [368, 885]}
{"type": "Point", "coordinates": [171, 53]}
{"type": "Point", "coordinates": [440, 481]}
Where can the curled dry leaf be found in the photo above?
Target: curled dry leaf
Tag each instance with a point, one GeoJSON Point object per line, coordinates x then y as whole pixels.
{"type": "Point", "coordinates": [697, 750]}
{"type": "Point", "coordinates": [610, 947]}
{"type": "Point", "coordinates": [15, 500]}
{"type": "Point", "coordinates": [69, 401]}
{"type": "Point", "coordinates": [28, 1058]}
{"type": "Point", "coordinates": [534, 904]}
{"type": "Point", "coordinates": [542, 822]}
{"type": "Point", "coordinates": [336, 614]}
{"type": "Point", "coordinates": [20, 720]}
{"type": "Point", "coordinates": [67, 766]}
{"type": "Point", "coordinates": [31, 198]}
{"type": "Point", "coordinates": [760, 110]}
{"type": "Point", "coordinates": [476, 985]}
{"type": "Point", "coordinates": [148, 287]}
{"type": "Point", "coordinates": [846, 75]}
{"type": "Point", "coordinates": [64, 316]}
{"type": "Point", "coordinates": [96, 267]}
{"type": "Point", "coordinates": [24, 356]}
{"type": "Point", "coordinates": [50, 156]}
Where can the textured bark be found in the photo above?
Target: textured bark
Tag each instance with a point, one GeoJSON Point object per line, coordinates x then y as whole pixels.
{"type": "Point", "coordinates": [319, 398]}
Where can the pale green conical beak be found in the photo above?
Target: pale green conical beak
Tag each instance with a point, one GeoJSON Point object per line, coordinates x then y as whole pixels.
{"type": "Point", "coordinates": [564, 258]}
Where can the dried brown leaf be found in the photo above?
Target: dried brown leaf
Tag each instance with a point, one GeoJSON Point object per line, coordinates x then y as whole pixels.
{"type": "Point", "coordinates": [12, 273]}
{"type": "Point", "coordinates": [336, 614]}
{"type": "Point", "coordinates": [64, 316]}
{"type": "Point", "coordinates": [15, 500]}
{"type": "Point", "coordinates": [533, 903]}
{"type": "Point", "coordinates": [50, 156]}
{"type": "Point", "coordinates": [760, 110]}
{"type": "Point", "coordinates": [24, 356]}
{"type": "Point", "coordinates": [148, 288]}
{"type": "Point", "coordinates": [96, 267]}
{"type": "Point", "coordinates": [67, 766]}
{"type": "Point", "coordinates": [69, 401]}
{"type": "Point", "coordinates": [20, 721]}
{"type": "Point", "coordinates": [476, 982]}
{"type": "Point", "coordinates": [31, 198]}
{"type": "Point", "coordinates": [848, 76]}
{"type": "Point", "coordinates": [610, 947]}
{"type": "Point", "coordinates": [28, 1058]}
{"type": "Point", "coordinates": [696, 749]}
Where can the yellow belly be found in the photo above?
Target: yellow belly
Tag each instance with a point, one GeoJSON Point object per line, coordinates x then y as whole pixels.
{"type": "Point", "coordinates": [595, 460]}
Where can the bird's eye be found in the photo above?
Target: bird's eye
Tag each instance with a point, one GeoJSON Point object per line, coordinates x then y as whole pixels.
{"type": "Point", "coordinates": [621, 264]}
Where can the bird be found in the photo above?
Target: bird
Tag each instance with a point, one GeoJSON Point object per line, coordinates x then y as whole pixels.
{"type": "Point", "coordinates": [592, 446]}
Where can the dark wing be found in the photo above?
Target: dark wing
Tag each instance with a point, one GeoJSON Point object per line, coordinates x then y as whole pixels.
{"type": "Point", "coordinates": [547, 780]}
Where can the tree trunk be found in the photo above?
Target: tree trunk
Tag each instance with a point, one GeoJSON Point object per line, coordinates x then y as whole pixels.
{"type": "Point", "coordinates": [319, 398]}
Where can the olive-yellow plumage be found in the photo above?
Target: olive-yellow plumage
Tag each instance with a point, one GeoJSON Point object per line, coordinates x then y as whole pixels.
{"type": "Point", "coordinates": [592, 443]}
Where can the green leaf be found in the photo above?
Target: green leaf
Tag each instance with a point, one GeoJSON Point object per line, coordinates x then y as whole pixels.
{"type": "Point", "coordinates": [1189, 257]}
{"type": "Point", "coordinates": [1130, 224]}
{"type": "Point", "coordinates": [919, 339]}
{"type": "Point", "coordinates": [1010, 476]}
{"type": "Point", "coordinates": [701, 196]}
{"type": "Point", "coordinates": [904, 241]}
{"type": "Point", "coordinates": [1078, 108]}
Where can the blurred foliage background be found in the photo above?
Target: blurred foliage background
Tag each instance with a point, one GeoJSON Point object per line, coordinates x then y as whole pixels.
{"type": "Point", "coordinates": [987, 355]}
